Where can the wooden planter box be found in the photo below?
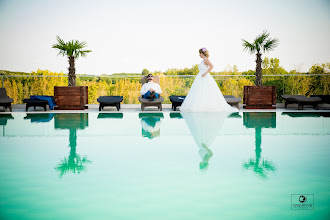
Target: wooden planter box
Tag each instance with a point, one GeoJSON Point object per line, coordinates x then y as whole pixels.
{"type": "Point", "coordinates": [71, 97]}
{"type": "Point", "coordinates": [259, 97]}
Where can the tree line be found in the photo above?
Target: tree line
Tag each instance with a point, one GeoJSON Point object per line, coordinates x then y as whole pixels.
{"type": "Point", "coordinates": [230, 82]}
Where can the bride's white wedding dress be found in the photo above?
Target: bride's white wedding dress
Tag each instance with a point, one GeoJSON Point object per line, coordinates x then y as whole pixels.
{"type": "Point", "coordinates": [205, 95]}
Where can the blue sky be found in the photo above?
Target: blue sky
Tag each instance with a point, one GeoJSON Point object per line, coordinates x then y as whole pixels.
{"type": "Point", "coordinates": [128, 36]}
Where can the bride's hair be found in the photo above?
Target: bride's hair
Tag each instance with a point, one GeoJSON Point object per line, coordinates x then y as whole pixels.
{"type": "Point", "coordinates": [204, 51]}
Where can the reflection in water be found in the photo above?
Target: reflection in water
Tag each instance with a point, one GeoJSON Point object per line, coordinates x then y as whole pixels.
{"type": "Point", "coordinates": [150, 123]}
{"type": "Point", "coordinates": [110, 115]}
{"type": "Point", "coordinates": [259, 120]}
{"type": "Point", "coordinates": [204, 127]}
{"type": "Point", "coordinates": [307, 114]}
{"type": "Point", "coordinates": [3, 121]}
{"type": "Point", "coordinates": [175, 115]}
{"type": "Point", "coordinates": [235, 115]}
{"type": "Point", "coordinates": [74, 163]}
{"type": "Point", "coordinates": [45, 117]}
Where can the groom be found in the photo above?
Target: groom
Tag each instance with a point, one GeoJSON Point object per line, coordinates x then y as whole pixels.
{"type": "Point", "coordinates": [150, 90]}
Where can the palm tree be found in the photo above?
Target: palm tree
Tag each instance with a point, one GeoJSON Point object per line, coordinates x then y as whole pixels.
{"type": "Point", "coordinates": [261, 43]}
{"type": "Point", "coordinates": [72, 49]}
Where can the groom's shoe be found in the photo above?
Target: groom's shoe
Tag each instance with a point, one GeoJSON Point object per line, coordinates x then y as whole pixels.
{"type": "Point", "coordinates": [152, 96]}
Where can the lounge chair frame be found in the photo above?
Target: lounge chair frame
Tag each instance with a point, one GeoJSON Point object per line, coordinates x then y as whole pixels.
{"type": "Point", "coordinates": [34, 103]}
{"type": "Point", "coordinates": [232, 100]}
{"type": "Point", "coordinates": [301, 100]}
{"type": "Point", "coordinates": [146, 102]}
{"type": "Point", "coordinates": [5, 100]}
{"type": "Point", "coordinates": [110, 101]}
{"type": "Point", "coordinates": [176, 102]}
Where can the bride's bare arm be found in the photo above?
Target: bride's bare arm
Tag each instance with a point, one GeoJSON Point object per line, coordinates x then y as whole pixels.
{"type": "Point", "coordinates": [207, 62]}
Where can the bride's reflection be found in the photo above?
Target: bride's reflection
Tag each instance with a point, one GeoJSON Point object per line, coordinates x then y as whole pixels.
{"type": "Point", "coordinates": [74, 162]}
{"type": "Point", "coordinates": [204, 127]}
{"type": "Point", "coordinates": [150, 123]}
{"type": "Point", "coordinates": [259, 120]}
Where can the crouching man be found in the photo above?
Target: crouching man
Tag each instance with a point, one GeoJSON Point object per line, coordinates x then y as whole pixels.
{"type": "Point", "coordinates": [150, 90]}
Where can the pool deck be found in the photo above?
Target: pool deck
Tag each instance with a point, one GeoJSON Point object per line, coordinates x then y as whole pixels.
{"type": "Point", "coordinates": [166, 108]}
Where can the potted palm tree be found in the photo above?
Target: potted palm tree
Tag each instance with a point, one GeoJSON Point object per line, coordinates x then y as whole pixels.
{"type": "Point", "coordinates": [72, 97]}
{"type": "Point", "coordinates": [259, 96]}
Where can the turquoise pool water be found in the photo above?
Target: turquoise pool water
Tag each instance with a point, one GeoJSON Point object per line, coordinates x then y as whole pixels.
{"type": "Point", "coordinates": [165, 166]}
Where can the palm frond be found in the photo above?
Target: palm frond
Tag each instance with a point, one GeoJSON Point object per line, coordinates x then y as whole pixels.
{"type": "Point", "coordinates": [71, 48]}
{"type": "Point", "coordinates": [248, 46]}
{"type": "Point", "coordinates": [81, 44]}
{"type": "Point", "coordinates": [259, 41]}
{"type": "Point", "coordinates": [83, 53]}
{"type": "Point", "coordinates": [270, 44]}
{"type": "Point", "coordinates": [61, 46]}
{"type": "Point", "coordinates": [262, 37]}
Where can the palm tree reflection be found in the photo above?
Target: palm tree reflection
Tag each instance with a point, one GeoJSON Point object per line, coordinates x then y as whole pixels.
{"type": "Point", "coordinates": [74, 162]}
{"type": "Point", "coordinates": [258, 120]}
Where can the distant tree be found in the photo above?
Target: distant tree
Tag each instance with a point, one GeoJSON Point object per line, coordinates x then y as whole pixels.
{"type": "Point", "coordinates": [320, 84]}
{"type": "Point", "coordinates": [231, 70]}
{"type": "Point", "coordinates": [72, 49]}
{"type": "Point", "coordinates": [145, 72]}
{"type": "Point", "coordinates": [186, 71]}
{"type": "Point", "coordinates": [272, 67]}
{"type": "Point", "coordinates": [260, 43]}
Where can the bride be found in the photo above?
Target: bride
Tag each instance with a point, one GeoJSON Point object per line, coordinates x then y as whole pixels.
{"type": "Point", "coordinates": [204, 94]}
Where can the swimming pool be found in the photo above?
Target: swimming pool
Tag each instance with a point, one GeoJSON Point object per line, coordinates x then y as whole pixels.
{"type": "Point", "coordinates": [248, 165]}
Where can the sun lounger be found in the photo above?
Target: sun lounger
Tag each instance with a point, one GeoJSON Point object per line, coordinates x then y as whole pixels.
{"type": "Point", "coordinates": [35, 103]}
{"type": "Point", "coordinates": [109, 101]}
{"type": "Point", "coordinates": [301, 101]}
{"type": "Point", "coordinates": [41, 101]}
{"type": "Point", "coordinates": [146, 102]}
{"type": "Point", "coordinates": [176, 101]}
{"type": "Point", "coordinates": [325, 98]}
{"type": "Point", "coordinates": [5, 101]}
{"type": "Point", "coordinates": [232, 100]}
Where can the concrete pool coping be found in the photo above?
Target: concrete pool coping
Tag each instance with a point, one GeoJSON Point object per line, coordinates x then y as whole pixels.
{"type": "Point", "coordinates": [166, 108]}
